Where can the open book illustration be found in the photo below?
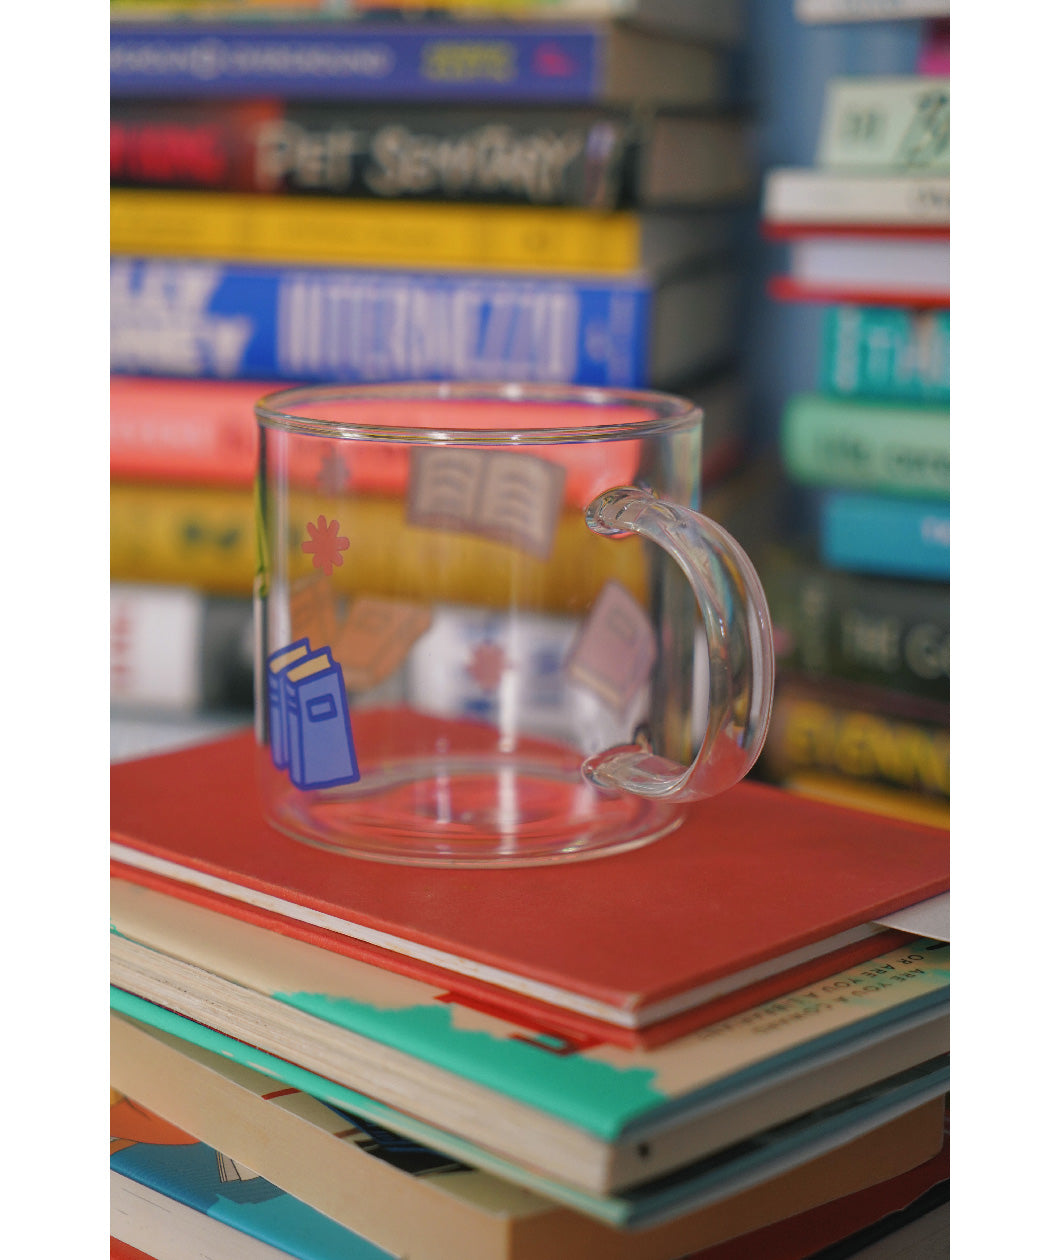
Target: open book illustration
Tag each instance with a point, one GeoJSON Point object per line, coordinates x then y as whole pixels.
{"type": "Point", "coordinates": [510, 496]}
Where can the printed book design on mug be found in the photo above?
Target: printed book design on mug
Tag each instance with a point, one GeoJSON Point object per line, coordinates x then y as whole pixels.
{"type": "Point", "coordinates": [309, 722]}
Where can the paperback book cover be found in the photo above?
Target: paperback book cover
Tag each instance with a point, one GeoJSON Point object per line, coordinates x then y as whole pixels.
{"type": "Point", "coordinates": [867, 444]}
{"type": "Point", "coordinates": [604, 159]}
{"type": "Point", "coordinates": [886, 352]}
{"type": "Point", "coordinates": [881, 631]}
{"type": "Point", "coordinates": [631, 940]}
{"type": "Point", "coordinates": [357, 232]}
{"type": "Point", "coordinates": [220, 320]}
{"type": "Point", "coordinates": [559, 61]}
{"type": "Point", "coordinates": [147, 1152]}
{"type": "Point", "coordinates": [424, 1205]}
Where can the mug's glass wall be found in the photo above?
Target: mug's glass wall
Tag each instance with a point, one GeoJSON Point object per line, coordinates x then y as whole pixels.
{"type": "Point", "coordinates": [445, 645]}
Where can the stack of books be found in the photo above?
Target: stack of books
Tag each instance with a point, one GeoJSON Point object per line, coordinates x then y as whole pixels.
{"type": "Point", "coordinates": [549, 190]}
{"type": "Point", "coordinates": [862, 612]}
{"type": "Point", "coordinates": [730, 1042]}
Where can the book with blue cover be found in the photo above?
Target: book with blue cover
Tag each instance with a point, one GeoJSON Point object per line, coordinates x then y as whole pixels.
{"type": "Point", "coordinates": [433, 60]}
{"type": "Point", "coordinates": [226, 320]}
{"type": "Point", "coordinates": [886, 534]}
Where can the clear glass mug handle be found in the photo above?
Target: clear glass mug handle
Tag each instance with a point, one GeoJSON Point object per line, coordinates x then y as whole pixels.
{"type": "Point", "coordinates": [739, 646]}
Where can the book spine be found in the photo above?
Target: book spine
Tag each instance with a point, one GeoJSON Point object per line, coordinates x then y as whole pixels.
{"type": "Point", "coordinates": [868, 10]}
{"type": "Point", "coordinates": [793, 198]}
{"type": "Point", "coordinates": [360, 61]}
{"type": "Point", "coordinates": [527, 156]}
{"type": "Point", "coordinates": [178, 650]}
{"type": "Point", "coordinates": [318, 324]}
{"type": "Point", "coordinates": [898, 123]}
{"type": "Point", "coordinates": [205, 538]}
{"type": "Point", "coordinates": [872, 630]}
{"type": "Point", "coordinates": [875, 533]}
{"type": "Point", "coordinates": [879, 352]}
{"type": "Point", "coordinates": [858, 736]}
{"type": "Point", "coordinates": [866, 445]}
{"type": "Point", "coordinates": [341, 232]}
{"type": "Point", "coordinates": [184, 430]}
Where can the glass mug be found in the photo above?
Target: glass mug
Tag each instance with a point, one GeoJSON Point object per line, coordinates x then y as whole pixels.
{"type": "Point", "coordinates": [492, 630]}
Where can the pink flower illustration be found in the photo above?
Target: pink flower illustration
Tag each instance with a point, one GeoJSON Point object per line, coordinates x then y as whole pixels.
{"type": "Point", "coordinates": [487, 665]}
{"type": "Point", "coordinates": [324, 544]}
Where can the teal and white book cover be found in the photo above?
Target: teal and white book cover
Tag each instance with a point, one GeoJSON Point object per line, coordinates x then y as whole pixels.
{"type": "Point", "coordinates": [153, 1153]}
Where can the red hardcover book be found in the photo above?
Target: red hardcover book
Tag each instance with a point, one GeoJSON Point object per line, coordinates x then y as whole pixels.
{"type": "Point", "coordinates": [757, 892]}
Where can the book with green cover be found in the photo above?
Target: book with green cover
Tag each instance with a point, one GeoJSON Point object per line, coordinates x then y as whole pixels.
{"type": "Point", "coordinates": [599, 1117]}
{"type": "Point", "coordinates": [863, 444]}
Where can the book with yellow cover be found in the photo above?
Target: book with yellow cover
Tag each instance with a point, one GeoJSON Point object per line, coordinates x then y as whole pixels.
{"type": "Point", "coordinates": [363, 232]}
{"type": "Point", "coordinates": [204, 537]}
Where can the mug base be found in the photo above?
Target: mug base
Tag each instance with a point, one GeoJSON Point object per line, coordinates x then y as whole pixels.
{"type": "Point", "coordinates": [504, 812]}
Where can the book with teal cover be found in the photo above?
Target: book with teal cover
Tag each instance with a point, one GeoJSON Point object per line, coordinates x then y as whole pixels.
{"type": "Point", "coordinates": [879, 533]}
{"type": "Point", "coordinates": [885, 352]}
{"type": "Point", "coordinates": [152, 1153]}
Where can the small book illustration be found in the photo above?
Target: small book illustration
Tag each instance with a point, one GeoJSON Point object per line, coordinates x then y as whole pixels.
{"type": "Point", "coordinates": [376, 637]}
{"type": "Point", "coordinates": [615, 648]}
{"type": "Point", "coordinates": [275, 665]}
{"type": "Point", "coordinates": [510, 496]}
{"type": "Point", "coordinates": [319, 738]}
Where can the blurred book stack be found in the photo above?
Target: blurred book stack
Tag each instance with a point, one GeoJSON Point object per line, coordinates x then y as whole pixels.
{"type": "Point", "coordinates": [537, 191]}
{"type": "Point", "coordinates": [657, 1055]}
{"type": "Point", "coordinates": [861, 610]}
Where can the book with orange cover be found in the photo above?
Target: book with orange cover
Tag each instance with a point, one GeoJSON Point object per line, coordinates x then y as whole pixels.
{"type": "Point", "coordinates": [757, 892]}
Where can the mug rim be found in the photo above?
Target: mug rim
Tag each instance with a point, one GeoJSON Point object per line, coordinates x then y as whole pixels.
{"type": "Point", "coordinates": [664, 412]}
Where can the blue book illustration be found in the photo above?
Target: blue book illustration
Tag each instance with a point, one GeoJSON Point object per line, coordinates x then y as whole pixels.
{"type": "Point", "coordinates": [319, 737]}
{"type": "Point", "coordinates": [224, 320]}
{"type": "Point", "coordinates": [275, 665]}
{"type": "Point", "coordinates": [875, 533]}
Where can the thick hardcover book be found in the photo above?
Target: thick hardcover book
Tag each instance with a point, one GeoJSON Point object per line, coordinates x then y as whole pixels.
{"type": "Point", "coordinates": [342, 232]}
{"type": "Point", "coordinates": [624, 941]}
{"type": "Point", "coordinates": [601, 1119]}
{"type": "Point", "coordinates": [886, 122]}
{"type": "Point", "coordinates": [236, 320]}
{"type": "Point", "coordinates": [876, 630]}
{"type": "Point", "coordinates": [885, 352]}
{"type": "Point", "coordinates": [794, 198]}
{"type": "Point", "coordinates": [174, 649]}
{"type": "Point", "coordinates": [865, 734]}
{"type": "Point", "coordinates": [498, 62]}
{"type": "Point", "coordinates": [886, 534]}
{"type": "Point", "coordinates": [866, 444]}
{"type": "Point", "coordinates": [602, 158]}
{"type": "Point", "coordinates": [420, 1203]}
